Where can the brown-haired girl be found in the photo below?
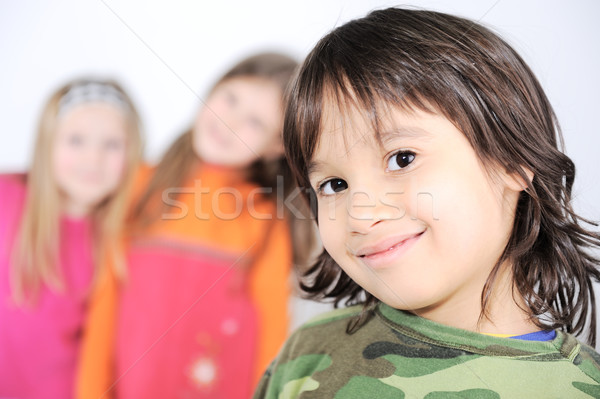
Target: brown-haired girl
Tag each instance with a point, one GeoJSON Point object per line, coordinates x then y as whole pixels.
{"type": "Point", "coordinates": [58, 224]}
{"type": "Point", "coordinates": [204, 306]}
{"type": "Point", "coordinates": [443, 204]}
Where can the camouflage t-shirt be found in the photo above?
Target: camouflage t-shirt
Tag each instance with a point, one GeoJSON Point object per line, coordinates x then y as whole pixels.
{"type": "Point", "coordinates": [399, 355]}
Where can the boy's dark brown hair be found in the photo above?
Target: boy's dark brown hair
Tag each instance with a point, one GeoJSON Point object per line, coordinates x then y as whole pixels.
{"type": "Point", "coordinates": [416, 59]}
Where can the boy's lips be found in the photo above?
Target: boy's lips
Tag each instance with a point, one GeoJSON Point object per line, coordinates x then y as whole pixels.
{"type": "Point", "coordinates": [374, 254]}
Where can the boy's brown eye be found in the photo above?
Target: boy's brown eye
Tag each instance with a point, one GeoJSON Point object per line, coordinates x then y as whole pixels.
{"type": "Point", "coordinates": [401, 160]}
{"type": "Point", "coordinates": [333, 186]}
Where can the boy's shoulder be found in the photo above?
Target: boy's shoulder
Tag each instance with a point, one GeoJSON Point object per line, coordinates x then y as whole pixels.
{"type": "Point", "coordinates": [336, 315]}
{"type": "Point", "coordinates": [395, 353]}
{"type": "Point", "coordinates": [588, 361]}
{"type": "Point", "coordinates": [324, 333]}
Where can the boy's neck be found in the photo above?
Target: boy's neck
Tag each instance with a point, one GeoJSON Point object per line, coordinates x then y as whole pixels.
{"type": "Point", "coordinates": [505, 314]}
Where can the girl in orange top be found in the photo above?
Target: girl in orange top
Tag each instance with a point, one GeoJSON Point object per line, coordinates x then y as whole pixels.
{"type": "Point", "coordinates": [204, 305]}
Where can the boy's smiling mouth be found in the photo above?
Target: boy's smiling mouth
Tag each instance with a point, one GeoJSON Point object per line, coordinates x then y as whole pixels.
{"type": "Point", "coordinates": [386, 250]}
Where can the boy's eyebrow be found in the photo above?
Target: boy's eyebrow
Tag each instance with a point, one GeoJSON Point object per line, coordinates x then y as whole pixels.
{"type": "Point", "coordinates": [385, 136]}
{"type": "Point", "coordinates": [313, 167]}
{"type": "Point", "coordinates": [404, 132]}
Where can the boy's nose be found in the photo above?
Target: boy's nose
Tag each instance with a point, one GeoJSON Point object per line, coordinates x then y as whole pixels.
{"type": "Point", "coordinates": [366, 210]}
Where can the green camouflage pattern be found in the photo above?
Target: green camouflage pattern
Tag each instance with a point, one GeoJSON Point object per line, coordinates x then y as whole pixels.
{"type": "Point", "coordinates": [399, 355]}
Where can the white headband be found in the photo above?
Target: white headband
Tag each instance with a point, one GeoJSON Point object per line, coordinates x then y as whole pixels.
{"type": "Point", "coordinates": [89, 93]}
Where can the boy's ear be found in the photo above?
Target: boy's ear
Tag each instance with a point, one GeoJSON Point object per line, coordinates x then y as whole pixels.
{"type": "Point", "coordinates": [515, 181]}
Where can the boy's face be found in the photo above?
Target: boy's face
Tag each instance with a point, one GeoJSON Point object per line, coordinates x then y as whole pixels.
{"type": "Point", "coordinates": [416, 220]}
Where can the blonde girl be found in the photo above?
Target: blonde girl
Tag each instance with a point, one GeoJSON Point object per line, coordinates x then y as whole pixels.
{"type": "Point", "coordinates": [58, 224]}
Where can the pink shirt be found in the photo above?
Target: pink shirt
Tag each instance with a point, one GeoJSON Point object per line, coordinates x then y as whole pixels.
{"type": "Point", "coordinates": [39, 345]}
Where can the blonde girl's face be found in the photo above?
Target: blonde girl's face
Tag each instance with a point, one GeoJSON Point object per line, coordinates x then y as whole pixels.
{"type": "Point", "coordinates": [89, 155]}
{"type": "Point", "coordinates": [240, 122]}
{"type": "Point", "coordinates": [416, 220]}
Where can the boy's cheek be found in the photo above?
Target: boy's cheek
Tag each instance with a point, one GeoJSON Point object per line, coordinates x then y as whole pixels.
{"type": "Point", "coordinates": [333, 238]}
{"type": "Point", "coordinates": [331, 211]}
{"type": "Point", "coordinates": [328, 235]}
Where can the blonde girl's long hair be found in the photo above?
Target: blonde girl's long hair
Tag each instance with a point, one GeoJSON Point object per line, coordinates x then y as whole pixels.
{"type": "Point", "coordinates": [180, 159]}
{"type": "Point", "coordinates": [35, 256]}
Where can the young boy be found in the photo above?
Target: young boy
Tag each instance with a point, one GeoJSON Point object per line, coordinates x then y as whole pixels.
{"type": "Point", "coordinates": [443, 204]}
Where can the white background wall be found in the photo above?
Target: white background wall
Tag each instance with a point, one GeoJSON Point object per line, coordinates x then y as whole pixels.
{"type": "Point", "coordinates": [167, 54]}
